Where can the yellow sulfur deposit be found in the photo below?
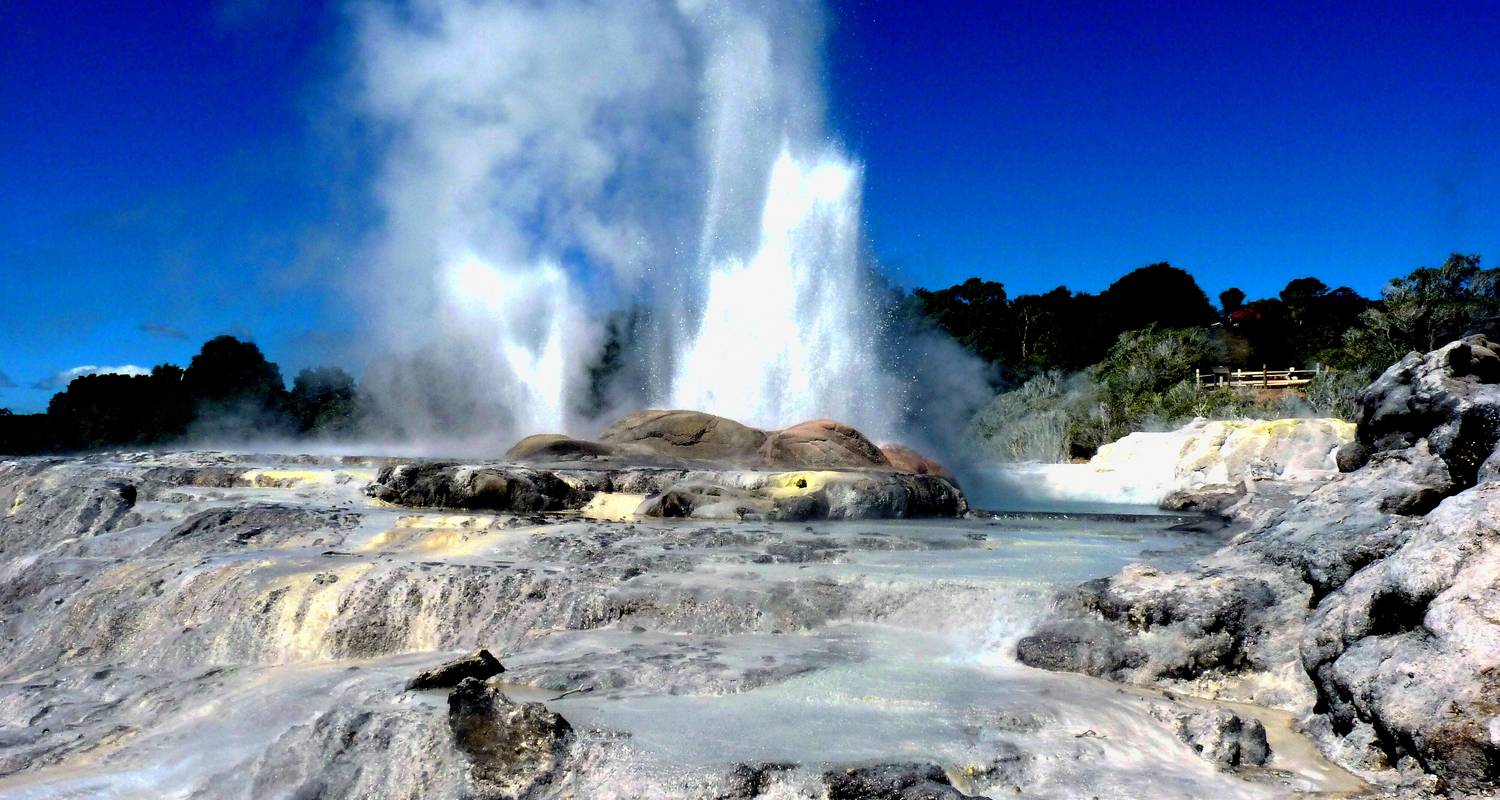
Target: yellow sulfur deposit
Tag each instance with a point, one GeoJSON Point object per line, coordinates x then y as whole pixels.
{"type": "Point", "coordinates": [612, 506]}
{"type": "Point", "coordinates": [790, 484]}
{"type": "Point", "coordinates": [306, 610]}
{"type": "Point", "coordinates": [289, 478]}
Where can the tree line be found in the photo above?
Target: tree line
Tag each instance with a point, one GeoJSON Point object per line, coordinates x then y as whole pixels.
{"type": "Point", "coordinates": [1074, 369]}
{"type": "Point", "coordinates": [228, 392]}
{"type": "Point", "coordinates": [1081, 370]}
{"type": "Point", "coordinates": [1306, 323]}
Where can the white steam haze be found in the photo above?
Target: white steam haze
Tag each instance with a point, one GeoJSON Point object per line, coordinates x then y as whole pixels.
{"type": "Point", "coordinates": [545, 162]}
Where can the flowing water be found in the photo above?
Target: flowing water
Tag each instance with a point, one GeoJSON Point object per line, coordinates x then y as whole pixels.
{"type": "Point", "coordinates": [243, 628]}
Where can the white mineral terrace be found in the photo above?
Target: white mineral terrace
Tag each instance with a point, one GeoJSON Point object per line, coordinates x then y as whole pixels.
{"type": "Point", "coordinates": [154, 665]}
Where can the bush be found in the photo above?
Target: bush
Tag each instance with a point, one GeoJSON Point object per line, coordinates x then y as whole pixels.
{"type": "Point", "coordinates": [1145, 383]}
{"type": "Point", "coordinates": [1030, 423]}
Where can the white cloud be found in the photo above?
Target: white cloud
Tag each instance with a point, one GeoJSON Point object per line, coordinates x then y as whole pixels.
{"type": "Point", "coordinates": [62, 379]}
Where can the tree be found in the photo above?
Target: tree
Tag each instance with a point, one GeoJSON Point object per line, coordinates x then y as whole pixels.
{"type": "Point", "coordinates": [1230, 300]}
{"type": "Point", "coordinates": [976, 313]}
{"type": "Point", "coordinates": [1301, 295]}
{"type": "Point", "coordinates": [1426, 309]}
{"type": "Point", "coordinates": [235, 393]}
{"type": "Point", "coordinates": [323, 401]}
{"type": "Point", "coordinates": [1158, 295]}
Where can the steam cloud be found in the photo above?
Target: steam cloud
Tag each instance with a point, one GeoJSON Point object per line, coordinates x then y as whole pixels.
{"type": "Point", "coordinates": [546, 162]}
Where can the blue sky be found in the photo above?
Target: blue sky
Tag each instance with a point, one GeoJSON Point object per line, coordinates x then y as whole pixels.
{"type": "Point", "coordinates": [174, 171]}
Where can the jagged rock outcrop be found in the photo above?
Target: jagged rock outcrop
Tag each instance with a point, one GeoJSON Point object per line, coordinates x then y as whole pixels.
{"type": "Point", "coordinates": [1408, 649]}
{"type": "Point", "coordinates": [514, 749]}
{"type": "Point", "coordinates": [1449, 397]}
{"type": "Point", "coordinates": [481, 664]}
{"type": "Point", "coordinates": [1371, 604]}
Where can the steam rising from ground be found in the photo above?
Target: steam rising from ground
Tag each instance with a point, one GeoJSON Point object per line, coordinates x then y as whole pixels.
{"type": "Point", "coordinates": [544, 163]}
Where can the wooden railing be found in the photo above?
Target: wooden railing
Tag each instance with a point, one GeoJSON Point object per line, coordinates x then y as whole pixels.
{"type": "Point", "coordinates": [1251, 378]}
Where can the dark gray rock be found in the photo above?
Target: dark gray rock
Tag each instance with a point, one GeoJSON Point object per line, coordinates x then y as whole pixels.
{"type": "Point", "coordinates": [492, 488]}
{"type": "Point", "coordinates": [514, 750]}
{"type": "Point", "coordinates": [1351, 456]}
{"type": "Point", "coordinates": [891, 782]}
{"type": "Point", "coordinates": [1212, 498]}
{"type": "Point", "coordinates": [749, 781]}
{"type": "Point", "coordinates": [480, 665]}
{"type": "Point", "coordinates": [1220, 736]}
{"type": "Point", "coordinates": [1076, 646]}
{"type": "Point", "coordinates": [258, 526]}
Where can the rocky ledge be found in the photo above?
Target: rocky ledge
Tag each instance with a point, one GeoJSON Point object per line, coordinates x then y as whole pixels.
{"type": "Point", "coordinates": [1370, 606]}
{"type": "Point", "coordinates": [693, 465]}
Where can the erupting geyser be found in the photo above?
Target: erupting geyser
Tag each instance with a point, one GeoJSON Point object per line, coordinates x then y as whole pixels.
{"type": "Point", "coordinates": [786, 333]}
{"type": "Point", "coordinates": [548, 162]}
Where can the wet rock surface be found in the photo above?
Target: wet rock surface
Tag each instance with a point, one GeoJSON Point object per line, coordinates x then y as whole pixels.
{"type": "Point", "coordinates": [247, 627]}
{"type": "Point", "coordinates": [891, 782]}
{"type": "Point", "coordinates": [1222, 737]}
{"type": "Point", "coordinates": [1368, 605]}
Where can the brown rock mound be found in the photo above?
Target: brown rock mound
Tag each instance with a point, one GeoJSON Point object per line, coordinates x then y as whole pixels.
{"type": "Point", "coordinates": [556, 447]}
{"type": "Point", "coordinates": [904, 459]}
{"type": "Point", "coordinates": [687, 434]}
{"type": "Point", "coordinates": [821, 444]}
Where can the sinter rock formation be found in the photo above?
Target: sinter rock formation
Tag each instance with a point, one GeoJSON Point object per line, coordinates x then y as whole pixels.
{"type": "Point", "coordinates": [690, 464]}
{"type": "Point", "coordinates": [1370, 607]}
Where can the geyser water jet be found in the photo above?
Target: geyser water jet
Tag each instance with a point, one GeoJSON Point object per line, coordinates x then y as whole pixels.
{"type": "Point", "coordinates": [545, 162]}
{"type": "Point", "coordinates": [786, 334]}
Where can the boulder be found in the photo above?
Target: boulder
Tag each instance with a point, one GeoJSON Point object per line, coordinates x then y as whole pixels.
{"type": "Point", "coordinates": [821, 444]}
{"type": "Point", "coordinates": [1081, 646]}
{"type": "Point", "coordinates": [513, 749]}
{"type": "Point", "coordinates": [750, 781]}
{"type": "Point", "coordinates": [1351, 456]}
{"type": "Point", "coordinates": [481, 665]}
{"type": "Point", "coordinates": [1450, 397]}
{"type": "Point", "coordinates": [806, 495]}
{"type": "Point", "coordinates": [690, 435]}
{"type": "Point", "coordinates": [1409, 647]}
{"type": "Point", "coordinates": [1209, 498]}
